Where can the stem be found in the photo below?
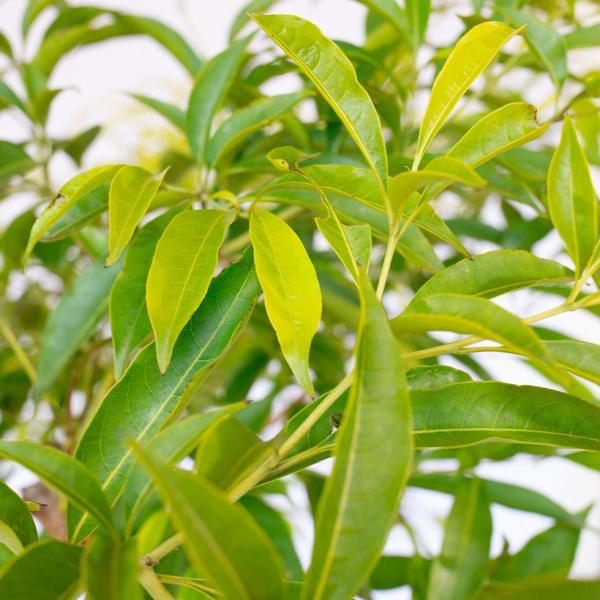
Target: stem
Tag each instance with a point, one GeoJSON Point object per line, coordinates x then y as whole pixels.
{"type": "Point", "coordinates": [387, 264]}
{"type": "Point", "coordinates": [452, 347]}
{"type": "Point", "coordinates": [170, 544]}
{"type": "Point", "coordinates": [316, 414]}
{"type": "Point", "coordinates": [151, 583]}
{"type": "Point", "coordinates": [13, 342]}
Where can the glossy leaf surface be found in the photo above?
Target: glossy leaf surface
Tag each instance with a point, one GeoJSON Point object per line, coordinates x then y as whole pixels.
{"type": "Point", "coordinates": [291, 289]}
{"type": "Point", "coordinates": [208, 94]}
{"type": "Point", "coordinates": [459, 570]}
{"type": "Point", "coordinates": [184, 261]}
{"type": "Point", "coordinates": [131, 192]}
{"type": "Point", "coordinates": [143, 401]}
{"type": "Point", "coordinates": [334, 77]}
{"type": "Point", "coordinates": [221, 539]}
{"type": "Point", "coordinates": [129, 320]}
{"type": "Point", "coordinates": [71, 193]}
{"type": "Point", "coordinates": [571, 199]}
{"type": "Point", "coordinates": [64, 473]}
{"type": "Point", "coordinates": [471, 55]}
{"type": "Point", "coordinates": [72, 322]}
{"type": "Point", "coordinates": [110, 568]}
{"type": "Point", "coordinates": [14, 512]}
{"type": "Point", "coordinates": [371, 453]}
{"type": "Point", "coordinates": [48, 569]}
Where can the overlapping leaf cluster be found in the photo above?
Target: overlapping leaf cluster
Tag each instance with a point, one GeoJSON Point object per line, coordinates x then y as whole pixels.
{"type": "Point", "coordinates": [254, 262]}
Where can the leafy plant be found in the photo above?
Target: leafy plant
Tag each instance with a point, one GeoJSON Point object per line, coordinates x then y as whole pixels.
{"type": "Point", "coordinates": [318, 208]}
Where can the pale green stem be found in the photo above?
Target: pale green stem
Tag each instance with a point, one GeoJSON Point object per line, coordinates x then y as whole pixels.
{"type": "Point", "coordinates": [13, 342]}
{"type": "Point", "coordinates": [151, 583]}
{"type": "Point", "coordinates": [453, 347]}
{"type": "Point", "coordinates": [316, 414]}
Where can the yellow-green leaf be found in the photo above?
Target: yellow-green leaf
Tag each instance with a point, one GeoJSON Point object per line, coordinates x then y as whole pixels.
{"type": "Point", "coordinates": [571, 199]}
{"type": "Point", "coordinates": [183, 265]}
{"type": "Point", "coordinates": [69, 195]}
{"type": "Point", "coordinates": [291, 289]}
{"type": "Point", "coordinates": [471, 55]}
{"type": "Point", "coordinates": [335, 78]}
{"type": "Point", "coordinates": [131, 192]}
{"type": "Point", "coordinates": [439, 169]}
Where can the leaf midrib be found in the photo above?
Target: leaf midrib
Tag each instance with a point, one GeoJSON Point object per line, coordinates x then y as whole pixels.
{"type": "Point", "coordinates": [161, 408]}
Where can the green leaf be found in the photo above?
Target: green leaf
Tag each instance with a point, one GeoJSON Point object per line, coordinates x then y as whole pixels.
{"type": "Point", "coordinates": [69, 195]}
{"type": "Point", "coordinates": [221, 539]}
{"type": "Point", "coordinates": [460, 569]}
{"type": "Point", "coordinates": [471, 315]}
{"type": "Point", "coordinates": [469, 57]}
{"type": "Point", "coordinates": [90, 206]}
{"type": "Point", "coordinates": [243, 16]}
{"type": "Point", "coordinates": [547, 588]}
{"type": "Point", "coordinates": [498, 492]}
{"type": "Point", "coordinates": [5, 47]}
{"type": "Point", "coordinates": [545, 41]}
{"type": "Point", "coordinates": [505, 128]}
{"type": "Point", "coordinates": [110, 569]}
{"type": "Point", "coordinates": [229, 452]}
{"type": "Point", "coordinates": [167, 37]}
{"type": "Point", "coordinates": [131, 191]}
{"type": "Point", "coordinates": [583, 37]}
{"type": "Point", "coordinates": [351, 243]}
{"type": "Point", "coordinates": [413, 245]}
{"type": "Point", "coordinates": [494, 273]}
{"type": "Point", "coordinates": [13, 161]}
{"type": "Point", "coordinates": [465, 414]}
{"type": "Point", "coordinates": [128, 314]}
{"type": "Point", "coordinates": [442, 168]}
{"type": "Point", "coordinates": [571, 199]}
{"type": "Point", "coordinates": [390, 10]}
{"type": "Point", "coordinates": [334, 77]}
{"type": "Point", "coordinates": [244, 121]}
{"type": "Point", "coordinates": [550, 553]}
{"type": "Point", "coordinates": [48, 569]}
{"type": "Point", "coordinates": [208, 94]}
{"type": "Point", "coordinates": [9, 540]}
{"type": "Point", "coordinates": [184, 262]}
{"type": "Point", "coordinates": [469, 413]}
{"type": "Point", "coordinates": [393, 571]}
{"type": "Point", "coordinates": [172, 113]}
{"type": "Point", "coordinates": [8, 98]}
{"type": "Point", "coordinates": [581, 358]}
{"type": "Point", "coordinates": [143, 400]}
{"type": "Point", "coordinates": [278, 529]}
{"type": "Point", "coordinates": [291, 289]}
{"type": "Point", "coordinates": [14, 512]}
{"type": "Point", "coordinates": [359, 184]}
{"type": "Point", "coordinates": [171, 444]}
{"type": "Point", "coordinates": [434, 376]}
{"type": "Point", "coordinates": [417, 14]}
{"type": "Point", "coordinates": [64, 473]}
{"type": "Point", "coordinates": [34, 8]}
{"type": "Point", "coordinates": [77, 146]}
{"type": "Point", "coordinates": [72, 322]}
{"type": "Point", "coordinates": [373, 452]}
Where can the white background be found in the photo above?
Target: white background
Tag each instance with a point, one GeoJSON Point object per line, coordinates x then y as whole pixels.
{"type": "Point", "coordinates": [96, 79]}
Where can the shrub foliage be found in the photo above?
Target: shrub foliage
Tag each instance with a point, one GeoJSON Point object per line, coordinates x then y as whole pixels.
{"type": "Point", "coordinates": [262, 256]}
